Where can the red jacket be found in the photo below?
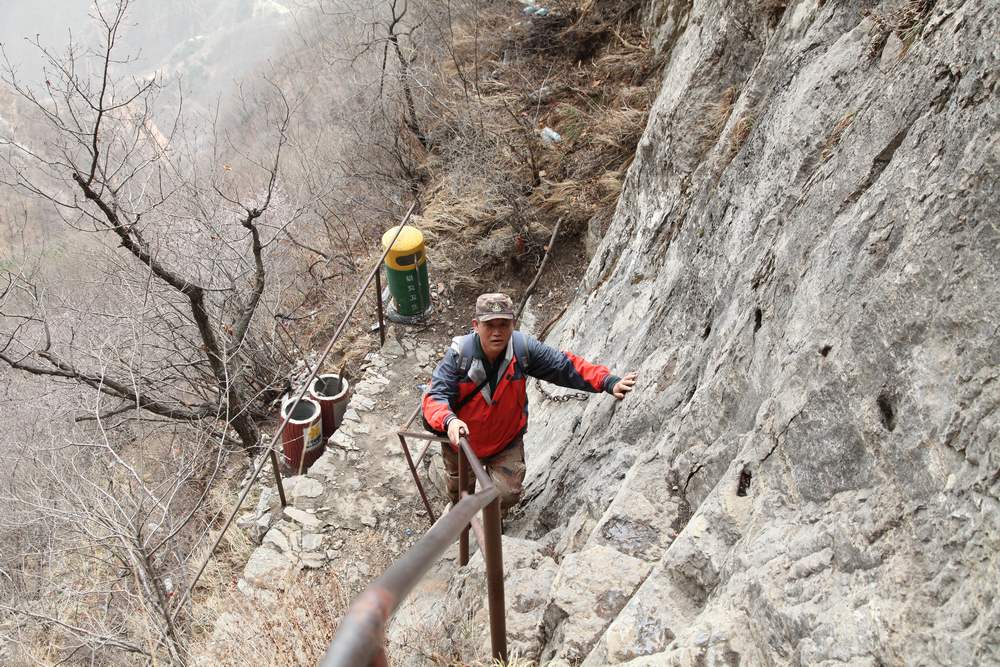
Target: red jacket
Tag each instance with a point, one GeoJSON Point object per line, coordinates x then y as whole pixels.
{"type": "Point", "coordinates": [497, 418]}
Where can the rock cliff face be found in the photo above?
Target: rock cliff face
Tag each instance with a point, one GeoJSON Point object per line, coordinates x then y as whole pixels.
{"type": "Point", "coordinates": [803, 268]}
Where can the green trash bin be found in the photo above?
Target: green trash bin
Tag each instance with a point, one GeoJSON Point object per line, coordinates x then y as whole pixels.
{"type": "Point", "coordinates": [406, 271]}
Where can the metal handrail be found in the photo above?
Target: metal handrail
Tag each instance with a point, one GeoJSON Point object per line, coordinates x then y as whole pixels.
{"type": "Point", "coordinates": [269, 450]}
{"type": "Point", "coordinates": [360, 637]}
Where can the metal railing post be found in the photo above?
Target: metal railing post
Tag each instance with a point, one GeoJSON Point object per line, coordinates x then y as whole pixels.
{"type": "Point", "coordinates": [277, 477]}
{"type": "Point", "coordinates": [413, 471]}
{"type": "Point", "coordinates": [360, 638]}
{"type": "Point", "coordinates": [463, 482]}
{"type": "Point", "coordinates": [378, 297]}
{"type": "Point", "coordinates": [493, 556]}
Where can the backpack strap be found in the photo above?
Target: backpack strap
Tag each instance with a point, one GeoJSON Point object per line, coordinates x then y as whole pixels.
{"type": "Point", "coordinates": [521, 352]}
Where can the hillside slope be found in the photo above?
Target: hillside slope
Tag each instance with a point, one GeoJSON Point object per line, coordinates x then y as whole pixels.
{"type": "Point", "coordinates": [803, 269]}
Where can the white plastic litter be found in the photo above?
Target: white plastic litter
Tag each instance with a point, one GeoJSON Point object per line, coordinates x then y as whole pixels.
{"type": "Point", "coordinates": [531, 9]}
{"type": "Point", "coordinates": [550, 136]}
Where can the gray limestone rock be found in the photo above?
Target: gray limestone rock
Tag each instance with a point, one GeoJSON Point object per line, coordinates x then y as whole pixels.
{"type": "Point", "coordinates": [342, 440]}
{"type": "Point", "coordinates": [392, 348]}
{"type": "Point", "coordinates": [308, 521]}
{"type": "Point", "coordinates": [809, 461]}
{"type": "Point", "coordinates": [267, 569]}
{"type": "Point", "coordinates": [312, 542]}
{"type": "Point", "coordinates": [304, 492]}
{"type": "Point", "coordinates": [459, 594]}
{"type": "Point", "coordinates": [361, 403]}
{"type": "Point", "coordinates": [589, 590]}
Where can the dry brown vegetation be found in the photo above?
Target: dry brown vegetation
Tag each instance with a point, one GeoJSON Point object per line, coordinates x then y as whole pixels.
{"type": "Point", "coordinates": [715, 117]}
{"type": "Point", "coordinates": [293, 629]}
{"type": "Point", "coordinates": [905, 19]}
{"type": "Point", "coordinates": [741, 132]}
{"type": "Point", "coordinates": [491, 185]}
{"type": "Point", "coordinates": [833, 140]}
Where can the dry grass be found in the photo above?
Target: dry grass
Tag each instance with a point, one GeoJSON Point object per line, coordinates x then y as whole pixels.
{"type": "Point", "coordinates": [88, 597]}
{"type": "Point", "coordinates": [833, 140]}
{"type": "Point", "coordinates": [906, 20]}
{"type": "Point", "coordinates": [295, 629]}
{"type": "Point", "coordinates": [494, 186]}
{"type": "Point", "coordinates": [715, 116]}
{"type": "Point", "coordinates": [232, 554]}
{"type": "Point", "coordinates": [741, 132]}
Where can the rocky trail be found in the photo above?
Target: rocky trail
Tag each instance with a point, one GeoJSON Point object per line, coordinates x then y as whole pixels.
{"type": "Point", "coordinates": [356, 509]}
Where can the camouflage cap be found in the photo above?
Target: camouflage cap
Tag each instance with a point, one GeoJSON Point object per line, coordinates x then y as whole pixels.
{"type": "Point", "coordinates": [494, 306]}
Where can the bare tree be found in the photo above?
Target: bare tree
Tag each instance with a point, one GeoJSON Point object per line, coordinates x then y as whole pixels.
{"type": "Point", "coordinates": [187, 222]}
{"type": "Point", "coordinates": [114, 528]}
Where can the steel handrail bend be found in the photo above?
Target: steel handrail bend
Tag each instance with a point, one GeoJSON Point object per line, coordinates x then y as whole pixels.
{"type": "Point", "coordinates": [361, 635]}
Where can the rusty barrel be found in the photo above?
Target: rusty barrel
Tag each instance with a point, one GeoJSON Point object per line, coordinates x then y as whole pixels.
{"type": "Point", "coordinates": [304, 431]}
{"type": "Point", "coordinates": [332, 393]}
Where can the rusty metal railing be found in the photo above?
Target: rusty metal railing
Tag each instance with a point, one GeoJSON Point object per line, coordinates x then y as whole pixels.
{"type": "Point", "coordinates": [269, 451]}
{"type": "Point", "coordinates": [360, 639]}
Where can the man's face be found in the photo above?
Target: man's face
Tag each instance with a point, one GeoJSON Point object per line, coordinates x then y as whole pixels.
{"type": "Point", "coordinates": [493, 335]}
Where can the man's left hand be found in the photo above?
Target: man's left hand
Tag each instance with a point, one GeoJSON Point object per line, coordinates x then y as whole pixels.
{"type": "Point", "coordinates": [624, 386]}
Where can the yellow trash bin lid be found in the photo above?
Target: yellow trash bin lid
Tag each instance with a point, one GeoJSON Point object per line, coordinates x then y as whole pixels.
{"type": "Point", "coordinates": [407, 251]}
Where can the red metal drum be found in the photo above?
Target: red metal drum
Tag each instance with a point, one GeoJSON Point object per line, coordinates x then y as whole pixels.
{"type": "Point", "coordinates": [332, 393]}
{"type": "Point", "coordinates": [303, 431]}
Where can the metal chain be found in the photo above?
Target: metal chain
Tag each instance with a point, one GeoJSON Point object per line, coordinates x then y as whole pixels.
{"type": "Point", "coordinates": [575, 396]}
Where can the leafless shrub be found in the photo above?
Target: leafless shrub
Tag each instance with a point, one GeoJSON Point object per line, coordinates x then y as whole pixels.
{"type": "Point", "coordinates": [172, 326]}
{"type": "Point", "coordinates": [115, 521]}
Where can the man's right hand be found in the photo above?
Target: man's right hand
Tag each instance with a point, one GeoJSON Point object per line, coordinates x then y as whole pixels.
{"type": "Point", "coordinates": [456, 429]}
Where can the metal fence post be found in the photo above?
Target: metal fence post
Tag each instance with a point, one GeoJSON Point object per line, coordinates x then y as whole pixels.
{"type": "Point", "coordinates": [378, 297]}
{"type": "Point", "coordinates": [464, 473]}
{"type": "Point", "coordinates": [493, 555]}
{"type": "Point", "coordinates": [277, 478]}
{"type": "Point", "coordinates": [416, 478]}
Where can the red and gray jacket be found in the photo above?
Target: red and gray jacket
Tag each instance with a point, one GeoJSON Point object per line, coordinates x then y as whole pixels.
{"type": "Point", "coordinates": [496, 418]}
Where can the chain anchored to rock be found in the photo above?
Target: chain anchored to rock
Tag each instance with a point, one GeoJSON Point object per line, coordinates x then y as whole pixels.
{"type": "Point", "coordinates": [562, 398]}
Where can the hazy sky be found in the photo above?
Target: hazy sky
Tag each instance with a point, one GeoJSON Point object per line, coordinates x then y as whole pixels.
{"type": "Point", "coordinates": [50, 20]}
{"type": "Point", "coordinates": [208, 43]}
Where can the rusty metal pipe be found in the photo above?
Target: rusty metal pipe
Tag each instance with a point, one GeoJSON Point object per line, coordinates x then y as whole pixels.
{"type": "Point", "coordinates": [463, 484]}
{"type": "Point", "coordinates": [378, 297]}
{"type": "Point", "coordinates": [416, 477]}
{"type": "Point", "coordinates": [361, 632]}
{"type": "Point", "coordinates": [477, 468]}
{"type": "Point", "coordinates": [277, 478]}
{"type": "Point", "coordinates": [423, 436]}
{"type": "Point", "coordinates": [493, 557]}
